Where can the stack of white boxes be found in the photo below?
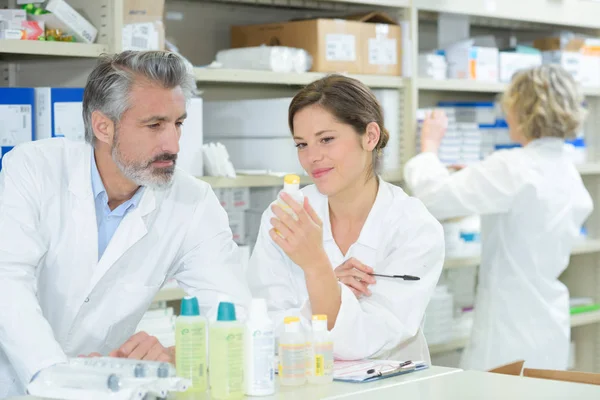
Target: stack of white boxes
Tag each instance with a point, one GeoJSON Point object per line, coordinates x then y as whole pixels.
{"type": "Point", "coordinates": [253, 142]}
{"type": "Point", "coordinates": [235, 201]}
{"type": "Point", "coordinates": [260, 200]}
{"type": "Point", "coordinates": [433, 66]}
{"type": "Point", "coordinates": [462, 142]}
{"type": "Point", "coordinates": [473, 59]}
{"type": "Point", "coordinates": [439, 316]}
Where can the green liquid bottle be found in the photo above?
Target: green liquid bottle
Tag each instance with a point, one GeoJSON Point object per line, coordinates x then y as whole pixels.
{"type": "Point", "coordinates": [190, 345]}
{"type": "Point", "coordinates": [226, 353]}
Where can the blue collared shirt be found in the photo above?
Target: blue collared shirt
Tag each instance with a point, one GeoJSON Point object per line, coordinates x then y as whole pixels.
{"type": "Point", "coordinates": [108, 221]}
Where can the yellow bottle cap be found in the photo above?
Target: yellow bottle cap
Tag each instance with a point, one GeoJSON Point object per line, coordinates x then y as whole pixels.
{"type": "Point", "coordinates": [291, 179]}
{"type": "Point", "coordinates": [319, 317]}
{"type": "Point", "coordinates": [289, 320]}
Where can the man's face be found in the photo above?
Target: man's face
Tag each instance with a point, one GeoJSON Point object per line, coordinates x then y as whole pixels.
{"type": "Point", "coordinates": [146, 140]}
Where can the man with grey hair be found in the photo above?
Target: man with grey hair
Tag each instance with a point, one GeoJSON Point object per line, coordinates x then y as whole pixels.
{"type": "Point", "coordinates": [89, 232]}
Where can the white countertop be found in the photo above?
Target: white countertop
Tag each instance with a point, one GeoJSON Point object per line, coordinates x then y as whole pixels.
{"type": "Point", "coordinates": [435, 383]}
{"type": "Point", "coordinates": [474, 385]}
{"type": "Point", "coordinates": [334, 390]}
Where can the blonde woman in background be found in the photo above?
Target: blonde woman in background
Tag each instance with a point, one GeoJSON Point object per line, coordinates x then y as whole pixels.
{"type": "Point", "coordinates": [532, 203]}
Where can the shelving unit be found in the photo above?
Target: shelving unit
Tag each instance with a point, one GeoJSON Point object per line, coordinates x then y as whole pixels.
{"type": "Point", "coordinates": [51, 49]}
{"type": "Point", "coordinates": [252, 181]}
{"type": "Point", "coordinates": [204, 31]}
{"type": "Point", "coordinates": [215, 75]}
{"type": "Point", "coordinates": [466, 86]}
{"type": "Point", "coordinates": [589, 169]}
{"type": "Point", "coordinates": [578, 320]}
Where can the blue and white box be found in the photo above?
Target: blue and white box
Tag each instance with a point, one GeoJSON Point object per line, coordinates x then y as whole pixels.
{"type": "Point", "coordinates": [59, 113]}
{"type": "Point", "coordinates": [17, 117]}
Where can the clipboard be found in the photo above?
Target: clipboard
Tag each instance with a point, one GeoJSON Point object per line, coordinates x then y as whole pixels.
{"type": "Point", "coordinates": [363, 371]}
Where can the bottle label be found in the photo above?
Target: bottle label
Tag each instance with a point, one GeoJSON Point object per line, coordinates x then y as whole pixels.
{"type": "Point", "coordinates": [264, 354]}
{"type": "Point", "coordinates": [322, 359]}
{"type": "Point", "coordinates": [292, 360]}
{"type": "Point", "coordinates": [226, 361]}
{"type": "Point", "coordinates": [190, 352]}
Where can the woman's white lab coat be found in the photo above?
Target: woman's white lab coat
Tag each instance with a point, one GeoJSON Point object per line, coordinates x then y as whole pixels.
{"type": "Point", "coordinates": [399, 238]}
{"type": "Point", "coordinates": [533, 204]}
{"type": "Point", "coordinates": [57, 299]}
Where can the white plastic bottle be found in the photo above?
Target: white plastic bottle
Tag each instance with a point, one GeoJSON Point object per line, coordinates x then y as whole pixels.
{"type": "Point", "coordinates": [292, 353]}
{"type": "Point", "coordinates": [291, 187]}
{"type": "Point", "coordinates": [320, 352]}
{"type": "Point", "coordinates": [259, 355]}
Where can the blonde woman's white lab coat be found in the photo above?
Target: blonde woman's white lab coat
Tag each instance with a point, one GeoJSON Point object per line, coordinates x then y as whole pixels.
{"type": "Point", "coordinates": [399, 237]}
{"type": "Point", "coordinates": [532, 203]}
{"type": "Point", "coordinates": [57, 299]}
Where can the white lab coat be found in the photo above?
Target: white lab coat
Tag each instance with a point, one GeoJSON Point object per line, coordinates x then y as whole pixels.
{"type": "Point", "coordinates": [399, 237]}
{"type": "Point", "coordinates": [57, 299]}
{"type": "Point", "coordinates": [533, 204]}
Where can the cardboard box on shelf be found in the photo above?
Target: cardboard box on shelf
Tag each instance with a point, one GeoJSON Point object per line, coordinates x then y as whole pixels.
{"type": "Point", "coordinates": [143, 27]}
{"type": "Point", "coordinates": [334, 44]}
{"type": "Point", "coordinates": [380, 44]}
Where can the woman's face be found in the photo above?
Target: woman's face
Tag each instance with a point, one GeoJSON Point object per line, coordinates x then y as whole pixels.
{"type": "Point", "coordinates": [331, 152]}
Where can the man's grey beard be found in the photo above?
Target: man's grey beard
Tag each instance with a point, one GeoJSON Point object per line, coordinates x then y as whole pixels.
{"type": "Point", "coordinates": [145, 174]}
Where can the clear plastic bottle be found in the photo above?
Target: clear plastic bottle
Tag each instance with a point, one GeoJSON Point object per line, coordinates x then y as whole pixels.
{"type": "Point", "coordinates": [292, 353]}
{"type": "Point", "coordinates": [226, 354]}
{"type": "Point", "coordinates": [259, 344]}
{"type": "Point", "coordinates": [190, 345]}
{"type": "Point", "coordinates": [291, 186]}
{"type": "Point", "coordinates": [320, 352]}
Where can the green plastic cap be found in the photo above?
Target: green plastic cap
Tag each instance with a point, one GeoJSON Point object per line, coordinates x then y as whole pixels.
{"type": "Point", "coordinates": [189, 306]}
{"type": "Point", "coordinates": [226, 312]}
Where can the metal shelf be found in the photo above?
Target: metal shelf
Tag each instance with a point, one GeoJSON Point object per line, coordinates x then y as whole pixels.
{"type": "Point", "coordinates": [248, 181]}
{"type": "Point", "coordinates": [251, 77]}
{"type": "Point", "coordinates": [58, 49]}
{"type": "Point", "coordinates": [169, 294]}
{"type": "Point", "coordinates": [380, 3]}
{"type": "Point", "coordinates": [565, 12]}
{"type": "Point", "coordinates": [453, 345]}
{"type": "Point", "coordinates": [455, 263]}
{"type": "Point", "coordinates": [586, 247]}
{"type": "Point", "coordinates": [466, 85]}
{"type": "Point", "coordinates": [460, 85]}
{"type": "Point", "coordinates": [588, 318]}
{"type": "Point", "coordinates": [322, 4]}
{"type": "Point", "coordinates": [589, 168]}
{"type": "Point", "coordinates": [218, 182]}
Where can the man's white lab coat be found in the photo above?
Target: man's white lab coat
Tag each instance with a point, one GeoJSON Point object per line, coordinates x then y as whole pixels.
{"type": "Point", "coordinates": [57, 299]}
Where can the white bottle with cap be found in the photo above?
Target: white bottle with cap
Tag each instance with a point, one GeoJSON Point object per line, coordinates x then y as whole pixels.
{"type": "Point", "coordinates": [292, 353]}
{"type": "Point", "coordinates": [320, 352]}
{"type": "Point", "coordinates": [291, 187]}
{"type": "Point", "coordinates": [260, 351]}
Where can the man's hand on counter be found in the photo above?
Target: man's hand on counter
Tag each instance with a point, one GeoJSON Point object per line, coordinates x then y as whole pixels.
{"type": "Point", "coordinates": [142, 346]}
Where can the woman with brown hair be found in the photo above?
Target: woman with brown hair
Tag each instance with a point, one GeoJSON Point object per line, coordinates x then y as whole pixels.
{"type": "Point", "coordinates": [351, 226]}
{"type": "Point", "coordinates": [533, 203]}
